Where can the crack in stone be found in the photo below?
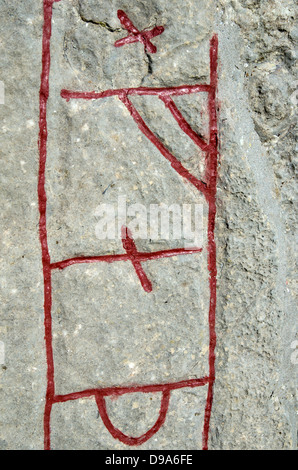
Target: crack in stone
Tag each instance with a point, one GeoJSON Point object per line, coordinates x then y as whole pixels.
{"type": "Point", "coordinates": [103, 24]}
{"type": "Point", "coordinates": [150, 67]}
{"type": "Point", "coordinates": [150, 64]}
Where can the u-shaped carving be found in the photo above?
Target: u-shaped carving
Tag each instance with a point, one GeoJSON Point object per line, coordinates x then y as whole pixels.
{"type": "Point", "coordinates": [128, 440]}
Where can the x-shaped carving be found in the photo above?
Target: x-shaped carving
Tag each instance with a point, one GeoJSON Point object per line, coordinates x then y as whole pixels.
{"type": "Point", "coordinates": [135, 35]}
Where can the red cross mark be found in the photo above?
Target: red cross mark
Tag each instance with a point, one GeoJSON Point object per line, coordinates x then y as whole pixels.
{"type": "Point", "coordinates": [131, 250]}
{"type": "Point", "coordinates": [135, 35]}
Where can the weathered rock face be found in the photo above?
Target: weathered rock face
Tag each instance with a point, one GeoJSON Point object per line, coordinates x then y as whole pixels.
{"type": "Point", "coordinates": [108, 330]}
{"type": "Point", "coordinates": [256, 224]}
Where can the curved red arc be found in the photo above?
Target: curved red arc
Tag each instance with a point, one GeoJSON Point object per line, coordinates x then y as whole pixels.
{"type": "Point", "coordinates": [128, 440]}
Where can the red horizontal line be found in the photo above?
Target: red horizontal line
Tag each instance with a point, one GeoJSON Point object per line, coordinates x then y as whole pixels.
{"type": "Point", "coordinates": [139, 256]}
{"type": "Point", "coordinates": [165, 91]}
{"type": "Point", "coordinates": [132, 389]}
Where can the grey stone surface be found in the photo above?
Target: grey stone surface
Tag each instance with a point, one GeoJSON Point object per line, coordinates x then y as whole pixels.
{"type": "Point", "coordinates": [96, 154]}
{"type": "Point", "coordinates": [128, 336]}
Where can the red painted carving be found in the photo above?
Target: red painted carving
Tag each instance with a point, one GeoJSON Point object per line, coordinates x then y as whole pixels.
{"type": "Point", "coordinates": [206, 187]}
{"type": "Point", "coordinates": [135, 35]}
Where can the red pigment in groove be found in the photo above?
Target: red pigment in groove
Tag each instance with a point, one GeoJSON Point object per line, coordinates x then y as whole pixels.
{"type": "Point", "coordinates": [183, 123]}
{"type": "Point", "coordinates": [118, 391]}
{"type": "Point", "coordinates": [211, 177]}
{"type": "Point", "coordinates": [141, 91]}
{"type": "Point", "coordinates": [135, 35]}
{"type": "Point", "coordinates": [139, 255]}
{"type": "Point", "coordinates": [42, 202]}
{"type": "Point", "coordinates": [131, 250]}
{"type": "Point", "coordinates": [208, 188]}
{"type": "Point", "coordinates": [133, 441]}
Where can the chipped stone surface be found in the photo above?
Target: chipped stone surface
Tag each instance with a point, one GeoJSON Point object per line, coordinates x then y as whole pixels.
{"type": "Point", "coordinates": [96, 154]}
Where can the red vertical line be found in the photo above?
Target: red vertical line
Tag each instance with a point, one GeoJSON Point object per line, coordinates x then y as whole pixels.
{"type": "Point", "coordinates": [42, 202]}
{"type": "Point", "coordinates": [211, 174]}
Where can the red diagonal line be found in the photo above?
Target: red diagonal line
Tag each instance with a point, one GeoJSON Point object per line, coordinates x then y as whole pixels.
{"type": "Point", "coordinates": [147, 44]}
{"type": "Point", "coordinates": [140, 256]}
{"type": "Point", "coordinates": [176, 165]}
{"type": "Point", "coordinates": [131, 250]}
{"type": "Point", "coordinates": [126, 22]}
{"type": "Point", "coordinates": [183, 124]}
{"type": "Point", "coordinates": [140, 91]}
{"type": "Point", "coordinates": [156, 31]}
{"type": "Point", "coordinates": [127, 40]}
